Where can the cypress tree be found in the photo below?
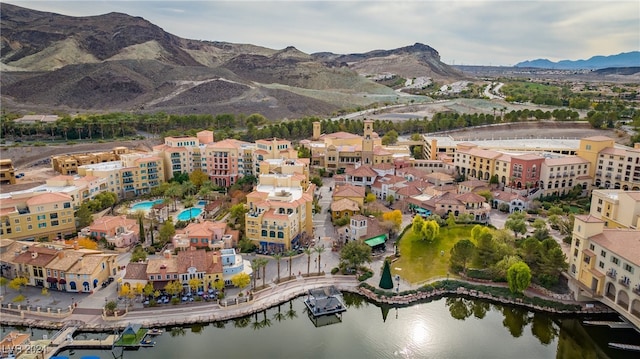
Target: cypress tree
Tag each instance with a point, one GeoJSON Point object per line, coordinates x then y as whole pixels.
{"type": "Point", "coordinates": [385, 281]}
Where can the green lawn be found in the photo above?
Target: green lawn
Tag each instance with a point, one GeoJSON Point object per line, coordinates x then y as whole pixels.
{"type": "Point", "coordinates": [420, 260]}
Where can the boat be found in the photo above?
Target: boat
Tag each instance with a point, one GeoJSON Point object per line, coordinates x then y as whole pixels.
{"type": "Point", "coordinates": [154, 331]}
{"type": "Point", "coordinates": [147, 343]}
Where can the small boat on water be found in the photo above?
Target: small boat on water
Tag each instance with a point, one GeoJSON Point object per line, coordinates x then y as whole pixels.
{"type": "Point", "coordinates": [154, 331]}
{"type": "Point", "coordinates": [147, 343]}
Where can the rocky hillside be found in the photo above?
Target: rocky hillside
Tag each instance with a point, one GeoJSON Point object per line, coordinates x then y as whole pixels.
{"type": "Point", "coordinates": [116, 62]}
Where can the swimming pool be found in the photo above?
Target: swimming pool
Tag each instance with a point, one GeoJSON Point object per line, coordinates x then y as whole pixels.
{"type": "Point", "coordinates": [202, 203]}
{"type": "Point", "coordinates": [146, 205]}
{"type": "Point", "coordinates": [189, 213]}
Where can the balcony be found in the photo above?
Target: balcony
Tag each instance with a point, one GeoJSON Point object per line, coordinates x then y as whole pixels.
{"type": "Point", "coordinates": [625, 282]}
{"type": "Point", "coordinates": [612, 274]}
{"type": "Point", "coordinates": [636, 289]}
{"type": "Point", "coordinates": [599, 173]}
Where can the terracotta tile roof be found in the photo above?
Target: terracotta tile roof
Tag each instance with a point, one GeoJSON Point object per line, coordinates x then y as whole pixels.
{"type": "Point", "coordinates": [568, 160]}
{"type": "Point", "coordinates": [362, 171]}
{"type": "Point", "coordinates": [410, 190]}
{"type": "Point", "coordinates": [192, 258]}
{"type": "Point", "coordinates": [170, 264]}
{"type": "Point", "coordinates": [50, 197]}
{"type": "Point", "coordinates": [88, 264]}
{"type": "Point", "coordinates": [470, 197]}
{"type": "Point", "coordinates": [473, 183]}
{"type": "Point", "coordinates": [622, 242]}
{"type": "Point", "coordinates": [348, 190]}
{"type": "Point", "coordinates": [65, 260]}
{"type": "Point", "coordinates": [383, 166]}
{"type": "Point", "coordinates": [36, 256]}
{"type": "Point", "coordinates": [340, 135]}
{"type": "Point", "coordinates": [136, 271]}
{"type": "Point", "coordinates": [344, 204]}
{"type": "Point", "coordinates": [613, 151]}
{"type": "Point", "coordinates": [588, 218]}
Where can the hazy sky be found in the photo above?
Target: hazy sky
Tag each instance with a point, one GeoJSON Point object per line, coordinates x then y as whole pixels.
{"type": "Point", "coordinates": [463, 32]}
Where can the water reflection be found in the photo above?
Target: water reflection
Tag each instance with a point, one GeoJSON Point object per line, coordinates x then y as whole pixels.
{"type": "Point", "coordinates": [446, 328]}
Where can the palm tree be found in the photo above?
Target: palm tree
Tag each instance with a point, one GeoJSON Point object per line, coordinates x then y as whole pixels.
{"type": "Point", "coordinates": [264, 266]}
{"type": "Point", "coordinates": [174, 191]}
{"type": "Point", "coordinates": [188, 187]}
{"type": "Point", "coordinates": [308, 252]}
{"type": "Point", "coordinates": [254, 264]}
{"type": "Point", "coordinates": [319, 250]}
{"type": "Point", "coordinates": [278, 315]}
{"type": "Point", "coordinates": [241, 322]}
{"type": "Point", "coordinates": [265, 322]}
{"type": "Point", "coordinates": [277, 257]}
{"type": "Point", "coordinates": [290, 254]}
{"type": "Point", "coordinates": [291, 313]}
{"type": "Point", "coordinates": [256, 324]}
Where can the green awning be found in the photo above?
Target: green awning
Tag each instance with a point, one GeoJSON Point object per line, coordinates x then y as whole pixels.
{"type": "Point", "coordinates": [376, 241]}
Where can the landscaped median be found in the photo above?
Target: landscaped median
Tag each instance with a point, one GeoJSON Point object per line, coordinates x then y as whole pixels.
{"type": "Point", "coordinates": [501, 295]}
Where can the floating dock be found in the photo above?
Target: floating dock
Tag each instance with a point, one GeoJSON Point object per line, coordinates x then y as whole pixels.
{"type": "Point", "coordinates": [324, 301]}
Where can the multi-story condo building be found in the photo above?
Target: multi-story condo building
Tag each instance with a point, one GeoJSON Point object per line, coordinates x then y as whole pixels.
{"type": "Point", "coordinates": [342, 150]}
{"type": "Point", "coordinates": [617, 208]}
{"type": "Point", "coordinates": [133, 175]}
{"type": "Point", "coordinates": [223, 161]}
{"type": "Point", "coordinates": [7, 172]}
{"type": "Point", "coordinates": [271, 149]}
{"type": "Point", "coordinates": [68, 164]}
{"type": "Point", "coordinates": [142, 173]}
{"type": "Point", "coordinates": [604, 265]}
{"type": "Point", "coordinates": [612, 166]}
{"type": "Point", "coordinates": [279, 212]}
{"type": "Point", "coordinates": [182, 154]}
{"type": "Point", "coordinates": [36, 216]}
{"type": "Point", "coordinates": [437, 147]}
{"type": "Point", "coordinates": [559, 175]}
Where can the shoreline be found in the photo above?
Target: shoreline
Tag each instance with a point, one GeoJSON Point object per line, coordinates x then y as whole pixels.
{"type": "Point", "coordinates": [263, 301]}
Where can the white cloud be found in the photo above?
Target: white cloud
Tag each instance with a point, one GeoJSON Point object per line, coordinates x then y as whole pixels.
{"type": "Point", "coordinates": [469, 32]}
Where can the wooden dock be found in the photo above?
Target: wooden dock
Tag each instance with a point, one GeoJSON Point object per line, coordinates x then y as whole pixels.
{"type": "Point", "coordinates": [610, 324]}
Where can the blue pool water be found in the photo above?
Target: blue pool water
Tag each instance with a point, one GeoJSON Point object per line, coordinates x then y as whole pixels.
{"type": "Point", "coordinates": [146, 205]}
{"type": "Point", "coordinates": [202, 203]}
{"type": "Point", "coordinates": [189, 213]}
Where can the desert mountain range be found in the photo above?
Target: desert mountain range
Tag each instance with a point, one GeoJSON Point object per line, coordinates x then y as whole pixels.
{"type": "Point", "coordinates": [116, 62]}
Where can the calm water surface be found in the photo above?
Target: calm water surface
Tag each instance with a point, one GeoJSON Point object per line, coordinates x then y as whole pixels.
{"type": "Point", "coordinates": [447, 328]}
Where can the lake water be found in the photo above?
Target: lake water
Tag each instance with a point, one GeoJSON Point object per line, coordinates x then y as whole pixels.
{"type": "Point", "coordinates": [446, 328]}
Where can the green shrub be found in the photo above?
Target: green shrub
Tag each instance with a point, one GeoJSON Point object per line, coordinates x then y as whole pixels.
{"type": "Point", "coordinates": [365, 276]}
{"type": "Point", "coordinates": [175, 300]}
{"type": "Point", "coordinates": [335, 270]}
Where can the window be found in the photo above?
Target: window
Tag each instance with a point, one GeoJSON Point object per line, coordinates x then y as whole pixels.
{"type": "Point", "coordinates": [628, 268]}
{"type": "Point", "coordinates": [150, 277]}
{"type": "Point", "coordinates": [587, 259]}
{"type": "Point", "coordinates": [603, 253]}
{"type": "Point", "coordinates": [601, 264]}
{"type": "Point", "coordinates": [592, 246]}
{"type": "Point", "coordinates": [615, 260]}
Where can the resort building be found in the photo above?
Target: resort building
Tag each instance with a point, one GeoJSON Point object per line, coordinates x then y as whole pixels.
{"type": "Point", "coordinates": [68, 164]}
{"type": "Point", "coordinates": [617, 208]}
{"type": "Point", "coordinates": [206, 234]}
{"type": "Point", "coordinates": [365, 229]}
{"type": "Point", "coordinates": [279, 212]}
{"type": "Point", "coordinates": [340, 151]}
{"type": "Point", "coordinates": [223, 161]}
{"type": "Point", "coordinates": [182, 154]}
{"type": "Point", "coordinates": [233, 264]}
{"type": "Point", "coordinates": [133, 175]}
{"type": "Point", "coordinates": [36, 216]}
{"type": "Point", "coordinates": [60, 267]}
{"type": "Point", "coordinates": [206, 267]}
{"type": "Point", "coordinates": [7, 172]}
{"type": "Point", "coordinates": [118, 231]}
{"type": "Point", "coordinates": [604, 265]}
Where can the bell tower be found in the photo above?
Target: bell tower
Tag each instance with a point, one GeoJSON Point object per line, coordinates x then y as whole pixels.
{"type": "Point", "coordinates": [367, 143]}
{"type": "Point", "coordinates": [316, 131]}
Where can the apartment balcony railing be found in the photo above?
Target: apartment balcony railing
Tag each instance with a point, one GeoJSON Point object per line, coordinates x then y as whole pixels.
{"type": "Point", "coordinates": [612, 275]}
{"type": "Point", "coordinates": [625, 282]}
{"type": "Point", "coordinates": [636, 290]}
